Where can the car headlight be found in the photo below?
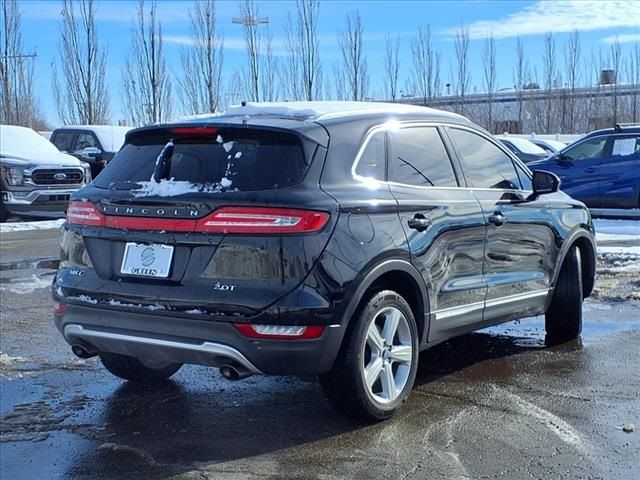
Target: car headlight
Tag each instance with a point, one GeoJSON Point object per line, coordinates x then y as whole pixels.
{"type": "Point", "coordinates": [87, 172]}
{"type": "Point", "coordinates": [14, 176]}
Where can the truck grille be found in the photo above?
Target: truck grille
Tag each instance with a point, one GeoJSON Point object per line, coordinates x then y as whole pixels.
{"type": "Point", "coordinates": [57, 176]}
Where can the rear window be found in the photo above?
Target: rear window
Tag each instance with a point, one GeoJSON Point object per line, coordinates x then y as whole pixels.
{"type": "Point", "coordinates": [227, 160]}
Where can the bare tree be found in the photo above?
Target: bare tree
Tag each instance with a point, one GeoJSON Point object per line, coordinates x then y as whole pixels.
{"type": "Point", "coordinates": [145, 77]}
{"type": "Point", "coordinates": [354, 62]}
{"type": "Point", "coordinates": [426, 65]}
{"type": "Point", "coordinates": [572, 54]}
{"type": "Point", "coordinates": [309, 47]}
{"type": "Point", "coordinates": [340, 83]}
{"type": "Point", "coordinates": [463, 76]}
{"type": "Point", "coordinates": [250, 20]}
{"type": "Point", "coordinates": [633, 76]}
{"type": "Point", "coordinates": [17, 102]}
{"type": "Point", "coordinates": [392, 66]}
{"type": "Point", "coordinates": [549, 69]}
{"type": "Point", "coordinates": [83, 96]}
{"type": "Point", "coordinates": [270, 90]}
{"type": "Point", "coordinates": [615, 60]}
{"type": "Point", "coordinates": [201, 81]}
{"type": "Point", "coordinates": [490, 76]}
{"type": "Point", "coordinates": [520, 76]}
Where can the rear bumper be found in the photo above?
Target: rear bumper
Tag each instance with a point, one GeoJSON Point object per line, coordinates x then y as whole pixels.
{"type": "Point", "coordinates": [181, 340]}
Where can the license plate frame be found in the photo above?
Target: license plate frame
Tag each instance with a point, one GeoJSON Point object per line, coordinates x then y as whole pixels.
{"type": "Point", "coordinates": [148, 260]}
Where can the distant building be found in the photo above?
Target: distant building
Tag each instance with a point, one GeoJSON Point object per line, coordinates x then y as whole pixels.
{"type": "Point", "coordinates": [538, 110]}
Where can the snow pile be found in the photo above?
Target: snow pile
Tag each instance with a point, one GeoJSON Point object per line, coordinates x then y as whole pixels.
{"type": "Point", "coordinates": [307, 110]}
{"type": "Point", "coordinates": [8, 360]}
{"type": "Point", "coordinates": [23, 226]}
{"type": "Point", "coordinates": [173, 188]}
{"type": "Point", "coordinates": [626, 230]}
{"type": "Point", "coordinates": [28, 285]}
{"type": "Point", "coordinates": [618, 244]}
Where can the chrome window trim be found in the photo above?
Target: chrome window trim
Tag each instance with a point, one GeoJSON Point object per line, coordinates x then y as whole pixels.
{"type": "Point", "coordinates": [393, 125]}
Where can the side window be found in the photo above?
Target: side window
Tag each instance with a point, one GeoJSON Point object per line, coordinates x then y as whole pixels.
{"type": "Point", "coordinates": [63, 141]}
{"type": "Point", "coordinates": [592, 148]}
{"type": "Point", "coordinates": [485, 165]}
{"type": "Point", "coordinates": [418, 157]}
{"type": "Point", "coordinates": [372, 160]}
{"type": "Point", "coordinates": [86, 140]}
{"type": "Point", "coordinates": [625, 146]}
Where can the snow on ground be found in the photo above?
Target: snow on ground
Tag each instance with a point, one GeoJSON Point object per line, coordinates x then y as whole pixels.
{"type": "Point", "coordinates": [23, 286]}
{"type": "Point", "coordinates": [618, 244]}
{"type": "Point", "coordinates": [38, 225]}
{"type": "Point", "coordinates": [617, 229]}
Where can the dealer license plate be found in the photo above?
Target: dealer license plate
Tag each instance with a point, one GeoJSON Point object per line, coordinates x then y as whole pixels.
{"type": "Point", "coordinates": [147, 260]}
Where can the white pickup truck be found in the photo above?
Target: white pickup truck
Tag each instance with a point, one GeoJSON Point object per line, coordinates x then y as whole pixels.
{"type": "Point", "coordinates": [36, 179]}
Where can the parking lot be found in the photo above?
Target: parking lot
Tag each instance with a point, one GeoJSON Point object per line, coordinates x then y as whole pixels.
{"type": "Point", "coordinates": [493, 404]}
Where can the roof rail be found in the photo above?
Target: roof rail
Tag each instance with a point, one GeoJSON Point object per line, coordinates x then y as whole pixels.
{"type": "Point", "coordinates": [620, 126]}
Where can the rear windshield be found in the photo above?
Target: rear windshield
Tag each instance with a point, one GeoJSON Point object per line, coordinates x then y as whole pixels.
{"type": "Point", "coordinates": [225, 160]}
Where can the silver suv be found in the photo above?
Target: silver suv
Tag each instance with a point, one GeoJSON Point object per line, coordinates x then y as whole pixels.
{"type": "Point", "coordinates": [36, 179]}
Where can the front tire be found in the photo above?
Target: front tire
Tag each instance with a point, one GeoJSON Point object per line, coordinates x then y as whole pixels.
{"type": "Point", "coordinates": [563, 320]}
{"type": "Point", "coordinates": [374, 373]}
{"type": "Point", "coordinates": [132, 369]}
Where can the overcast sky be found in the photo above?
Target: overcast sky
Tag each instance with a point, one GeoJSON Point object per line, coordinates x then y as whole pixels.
{"type": "Point", "coordinates": [599, 22]}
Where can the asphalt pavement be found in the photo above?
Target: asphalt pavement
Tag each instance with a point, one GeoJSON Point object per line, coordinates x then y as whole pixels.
{"type": "Point", "coordinates": [493, 404]}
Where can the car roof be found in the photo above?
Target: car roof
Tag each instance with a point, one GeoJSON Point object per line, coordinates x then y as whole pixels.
{"type": "Point", "coordinates": [618, 129]}
{"type": "Point", "coordinates": [307, 117]}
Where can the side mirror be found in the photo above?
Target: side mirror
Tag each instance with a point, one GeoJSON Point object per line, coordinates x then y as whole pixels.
{"type": "Point", "coordinates": [544, 182]}
{"type": "Point", "coordinates": [91, 152]}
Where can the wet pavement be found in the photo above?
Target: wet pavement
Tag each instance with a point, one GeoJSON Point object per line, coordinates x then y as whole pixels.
{"type": "Point", "coordinates": [493, 404]}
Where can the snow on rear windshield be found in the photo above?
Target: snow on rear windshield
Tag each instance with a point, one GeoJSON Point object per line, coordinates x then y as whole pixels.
{"type": "Point", "coordinates": [162, 164]}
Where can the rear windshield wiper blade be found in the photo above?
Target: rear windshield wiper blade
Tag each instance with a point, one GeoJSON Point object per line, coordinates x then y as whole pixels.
{"type": "Point", "coordinates": [163, 162]}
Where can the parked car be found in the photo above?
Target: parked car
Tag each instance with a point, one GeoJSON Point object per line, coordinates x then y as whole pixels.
{"type": "Point", "coordinates": [549, 146]}
{"type": "Point", "coordinates": [329, 238]}
{"type": "Point", "coordinates": [36, 178]}
{"type": "Point", "coordinates": [94, 144]}
{"type": "Point", "coordinates": [524, 149]}
{"type": "Point", "coordinates": [602, 169]}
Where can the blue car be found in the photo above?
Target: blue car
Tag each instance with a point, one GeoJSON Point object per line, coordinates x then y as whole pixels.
{"type": "Point", "coordinates": [602, 169]}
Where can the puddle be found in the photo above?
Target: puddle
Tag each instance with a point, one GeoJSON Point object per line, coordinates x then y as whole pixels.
{"type": "Point", "coordinates": [45, 263]}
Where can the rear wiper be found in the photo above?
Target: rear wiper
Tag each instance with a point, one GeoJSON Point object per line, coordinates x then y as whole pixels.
{"type": "Point", "coordinates": [163, 162]}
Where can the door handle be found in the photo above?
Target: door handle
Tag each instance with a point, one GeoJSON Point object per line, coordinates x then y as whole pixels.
{"type": "Point", "coordinates": [419, 223]}
{"type": "Point", "coordinates": [497, 219]}
{"type": "Point", "coordinates": [590, 170]}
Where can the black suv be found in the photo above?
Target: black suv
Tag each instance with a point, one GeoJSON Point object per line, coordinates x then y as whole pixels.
{"type": "Point", "coordinates": [315, 238]}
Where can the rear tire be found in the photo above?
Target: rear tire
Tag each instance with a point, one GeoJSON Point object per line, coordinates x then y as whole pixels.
{"type": "Point", "coordinates": [132, 369]}
{"type": "Point", "coordinates": [563, 320]}
{"type": "Point", "coordinates": [375, 371]}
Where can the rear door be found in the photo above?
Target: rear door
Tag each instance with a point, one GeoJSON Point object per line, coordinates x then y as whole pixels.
{"type": "Point", "coordinates": [443, 224]}
{"type": "Point", "coordinates": [520, 251]}
{"type": "Point", "coordinates": [620, 173]}
{"type": "Point", "coordinates": [579, 169]}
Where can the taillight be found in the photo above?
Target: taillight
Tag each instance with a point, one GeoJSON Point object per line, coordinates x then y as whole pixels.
{"type": "Point", "coordinates": [262, 220]}
{"type": "Point", "coordinates": [279, 332]}
{"type": "Point", "coordinates": [84, 213]}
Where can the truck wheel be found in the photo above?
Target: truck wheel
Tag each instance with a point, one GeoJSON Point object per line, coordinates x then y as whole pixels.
{"type": "Point", "coordinates": [563, 320]}
{"type": "Point", "coordinates": [374, 374]}
{"type": "Point", "coordinates": [132, 369]}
